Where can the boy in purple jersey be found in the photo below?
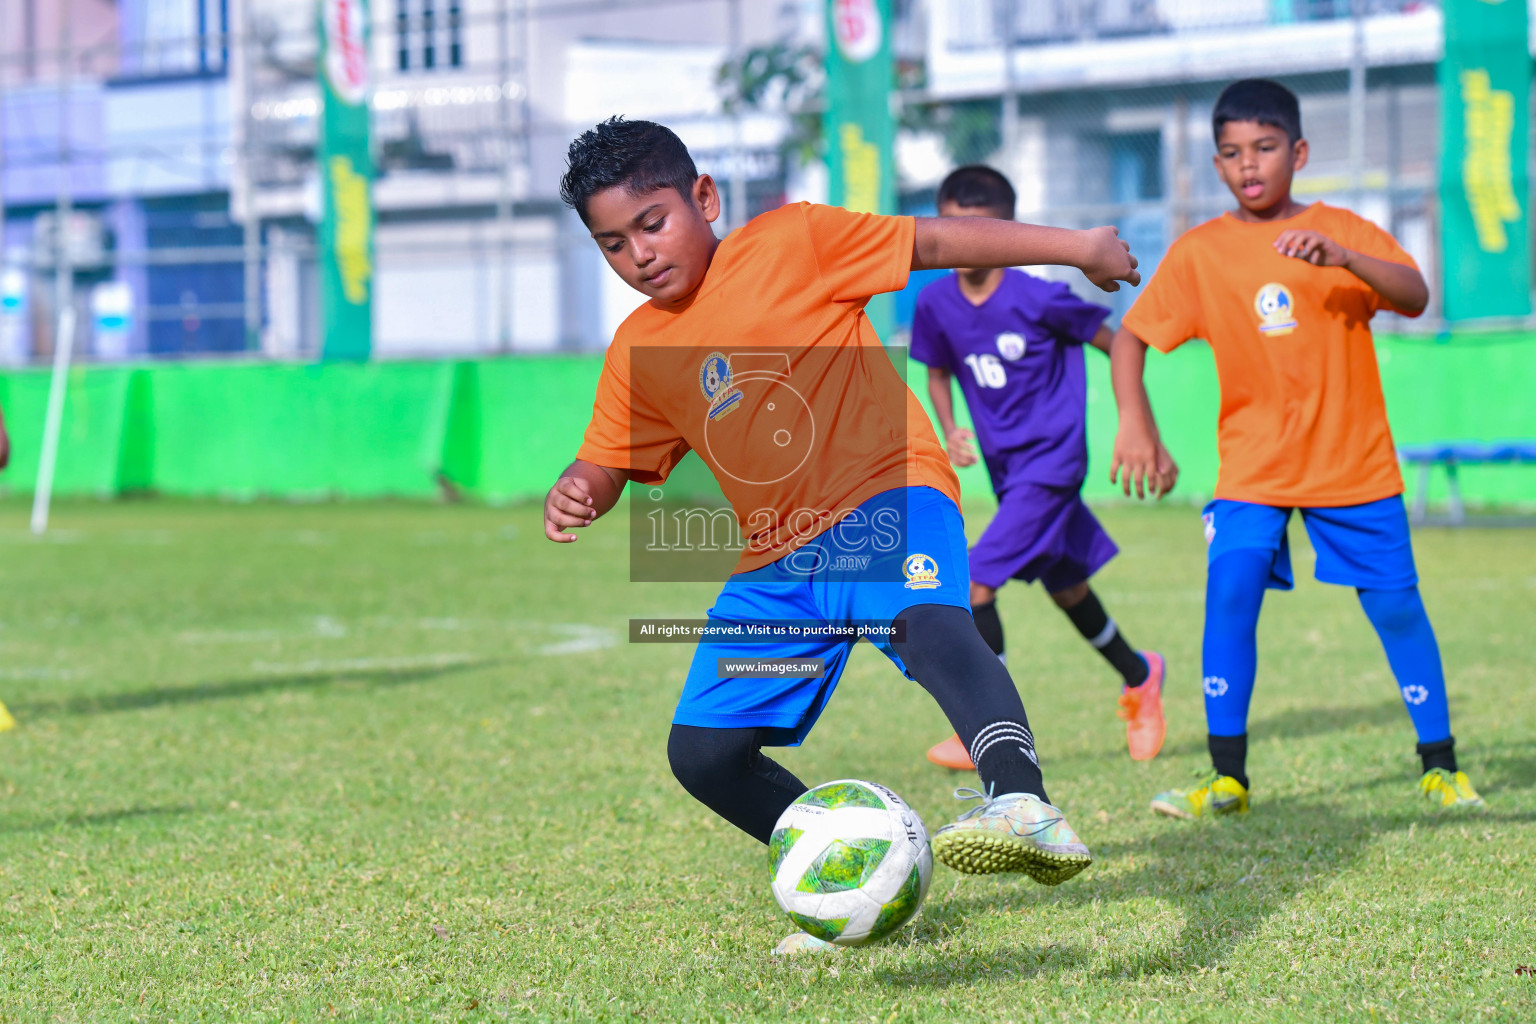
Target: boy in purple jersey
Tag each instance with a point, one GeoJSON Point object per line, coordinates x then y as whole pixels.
{"type": "Point", "coordinates": [1016, 344]}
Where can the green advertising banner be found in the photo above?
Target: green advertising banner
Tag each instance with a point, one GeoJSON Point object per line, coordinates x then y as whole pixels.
{"type": "Point", "coordinates": [860, 131]}
{"type": "Point", "coordinates": [346, 180]}
{"type": "Point", "coordinates": [1485, 85]}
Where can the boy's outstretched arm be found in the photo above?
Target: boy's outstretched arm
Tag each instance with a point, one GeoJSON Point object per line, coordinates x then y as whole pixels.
{"type": "Point", "coordinates": [1401, 285]}
{"type": "Point", "coordinates": [584, 491]}
{"type": "Point", "coordinates": [1139, 451]}
{"type": "Point", "coordinates": [944, 243]}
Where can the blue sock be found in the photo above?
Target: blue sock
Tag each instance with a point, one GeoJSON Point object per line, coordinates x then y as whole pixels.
{"type": "Point", "coordinates": [1234, 592]}
{"type": "Point", "coordinates": [1405, 632]}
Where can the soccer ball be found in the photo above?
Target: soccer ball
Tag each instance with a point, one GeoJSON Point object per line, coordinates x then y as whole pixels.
{"type": "Point", "coordinates": [850, 862]}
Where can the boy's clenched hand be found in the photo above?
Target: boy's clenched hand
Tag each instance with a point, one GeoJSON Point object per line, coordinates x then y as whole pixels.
{"type": "Point", "coordinates": [568, 504]}
{"type": "Point", "coordinates": [1107, 259]}
{"type": "Point", "coordinates": [958, 443]}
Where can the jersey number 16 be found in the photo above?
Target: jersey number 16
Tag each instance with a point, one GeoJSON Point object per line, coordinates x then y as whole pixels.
{"type": "Point", "coordinates": [988, 370]}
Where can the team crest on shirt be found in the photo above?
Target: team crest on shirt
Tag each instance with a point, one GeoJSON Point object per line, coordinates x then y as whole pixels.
{"type": "Point", "coordinates": [1010, 345]}
{"type": "Point", "coordinates": [715, 382]}
{"type": "Point", "coordinates": [921, 571]}
{"type": "Point", "coordinates": [1276, 309]}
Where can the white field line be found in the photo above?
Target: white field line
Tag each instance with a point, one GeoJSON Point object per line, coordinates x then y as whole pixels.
{"type": "Point", "coordinates": [314, 666]}
{"type": "Point", "coordinates": [582, 639]}
{"type": "Point", "coordinates": [565, 638]}
{"type": "Point", "coordinates": [38, 673]}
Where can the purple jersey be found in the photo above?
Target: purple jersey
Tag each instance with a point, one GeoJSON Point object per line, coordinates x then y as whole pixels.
{"type": "Point", "coordinates": [1019, 359]}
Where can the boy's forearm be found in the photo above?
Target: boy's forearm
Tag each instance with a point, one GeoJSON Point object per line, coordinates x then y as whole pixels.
{"type": "Point", "coordinates": [1127, 364]}
{"type": "Point", "coordinates": [1101, 339]}
{"type": "Point", "coordinates": [1401, 285]}
{"type": "Point", "coordinates": [949, 242]}
{"type": "Point", "coordinates": [943, 399]}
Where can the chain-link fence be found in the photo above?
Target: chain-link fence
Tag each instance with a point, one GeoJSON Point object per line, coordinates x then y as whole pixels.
{"type": "Point", "coordinates": [175, 142]}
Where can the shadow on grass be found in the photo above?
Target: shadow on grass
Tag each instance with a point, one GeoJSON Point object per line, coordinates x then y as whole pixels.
{"type": "Point", "coordinates": [1226, 878]}
{"type": "Point", "coordinates": [96, 818]}
{"type": "Point", "coordinates": [1018, 963]}
{"type": "Point", "coordinates": [1503, 768]}
{"type": "Point", "coordinates": [1298, 723]}
{"type": "Point", "coordinates": [162, 696]}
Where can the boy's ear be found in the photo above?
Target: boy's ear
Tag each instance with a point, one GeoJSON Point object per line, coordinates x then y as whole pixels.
{"type": "Point", "coordinates": [706, 196]}
{"type": "Point", "coordinates": [1299, 153]}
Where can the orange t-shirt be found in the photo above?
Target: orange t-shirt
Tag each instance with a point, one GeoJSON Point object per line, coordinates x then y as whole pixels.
{"type": "Point", "coordinates": [1303, 422]}
{"type": "Point", "coordinates": [774, 376]}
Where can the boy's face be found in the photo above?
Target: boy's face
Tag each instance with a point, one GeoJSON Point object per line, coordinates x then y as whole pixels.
{"type": "Point", "coordinates": [660, 243]}
{"type": "Point", "coordinates": [1257, 162]}
{"type": "Point", "coordinates": [951, 209]}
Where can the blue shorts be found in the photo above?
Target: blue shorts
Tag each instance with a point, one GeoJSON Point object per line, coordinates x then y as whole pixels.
{"type": "Point", "coordinates": [1364, 546]}
{"type": "Point", "coordinates": [901, 548]}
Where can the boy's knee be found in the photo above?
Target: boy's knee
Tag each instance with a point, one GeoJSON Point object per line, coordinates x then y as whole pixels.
{"type": "Point", "coordinates": [929, 631]}
{"type": "Point", "coordinates": [1237, 579]}
{"type": "Point", "coordinates": [1394, 611]}
{"type": "Point", "coordinates": [702, 757]}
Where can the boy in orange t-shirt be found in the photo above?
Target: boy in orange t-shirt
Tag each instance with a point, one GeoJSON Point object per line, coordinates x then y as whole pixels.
{"type": "Point", "coordinates": [755, 353]}
{"type": "Point", "coordinates": [1284, 294]}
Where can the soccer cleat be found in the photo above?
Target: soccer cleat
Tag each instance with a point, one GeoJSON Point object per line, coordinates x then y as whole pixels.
{"type": "Point", "coordinates": [1217, 794]}
{"type": "Point", "coordinates": [951, 754]}
{"type": "Point", "coordinates": [1012, 832]}
{"type": "Point", "coordinates": [802, 942]}
{"type": "Point", "coordinates": [1142, 708]}
{"type": "Point", "coordinates": [6, 721]}
{"type": "Point", "coordinates": [1449, 789]}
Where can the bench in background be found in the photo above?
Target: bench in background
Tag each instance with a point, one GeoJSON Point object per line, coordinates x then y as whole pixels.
{"type": "Point", "coordinates": [1452, 454]}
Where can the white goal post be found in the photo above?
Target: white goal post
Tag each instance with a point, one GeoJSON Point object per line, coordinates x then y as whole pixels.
{"type": "Point", "coordinates": [53, 422]}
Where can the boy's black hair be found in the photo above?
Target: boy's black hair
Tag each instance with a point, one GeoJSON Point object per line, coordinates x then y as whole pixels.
{"type": "Point", "coordinates": [637, 156]}
{"type": "Point", "coordinates": [977, 186]}
{"type": "Point", "coordinates": [1261, 100]}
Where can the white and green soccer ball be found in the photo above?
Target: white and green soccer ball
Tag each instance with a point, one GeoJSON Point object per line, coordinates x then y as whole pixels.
{"type": "Point", "coordinates": [850, 862]}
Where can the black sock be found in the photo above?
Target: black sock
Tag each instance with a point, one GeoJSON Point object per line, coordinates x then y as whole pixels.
{"type": "Point", "coordinates": [1004, 755]}
{"type": "Point", "coordinates": [946, 655]}
{"type": "Point", "coordinates": [1440, 754]}
{"type": "Point", "coordinates": [990, 627]}
{"type": "Point", "coordinates": [1094, 623]}
{"type": "Point", "coordinates": [725, 770]}
{"type": "Point", "coordinates": [1229, 755]}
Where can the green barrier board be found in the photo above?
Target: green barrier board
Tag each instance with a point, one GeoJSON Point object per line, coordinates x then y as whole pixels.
{"type": "Point", "coordinates": [500, 430]}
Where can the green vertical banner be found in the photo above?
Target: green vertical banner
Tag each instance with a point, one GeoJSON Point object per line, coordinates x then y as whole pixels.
{"type": "Point", "coordinates": [346, 182]}
{"type": "Point", "coordinates": [1485, 86]}
{"type": "Point", "coordinates": [861, 133]}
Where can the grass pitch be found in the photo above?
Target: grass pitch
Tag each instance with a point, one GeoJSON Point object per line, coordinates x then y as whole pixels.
{"type": "Point", "coordinates": [388, 762]}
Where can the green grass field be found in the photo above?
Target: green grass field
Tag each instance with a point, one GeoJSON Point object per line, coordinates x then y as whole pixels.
{"type": "Point", "coordinates": [396, 762]}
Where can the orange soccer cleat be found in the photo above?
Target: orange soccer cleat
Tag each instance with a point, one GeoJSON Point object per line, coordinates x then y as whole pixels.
{"type": "Point", "coordinates": [952, 754]}
{"type": "Point", "coordinates": [1142, 709]}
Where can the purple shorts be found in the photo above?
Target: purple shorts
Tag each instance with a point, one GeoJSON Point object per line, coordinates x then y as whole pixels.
{"type": "Point", "coordinates": [1041, 533]}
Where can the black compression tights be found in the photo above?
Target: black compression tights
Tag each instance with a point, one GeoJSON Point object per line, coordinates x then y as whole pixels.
{"type": "Point", "coordinates": [726, 770]}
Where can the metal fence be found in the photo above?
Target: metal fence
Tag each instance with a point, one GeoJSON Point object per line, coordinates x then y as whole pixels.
{"type": "Point", "coordinates": [178, 152]}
